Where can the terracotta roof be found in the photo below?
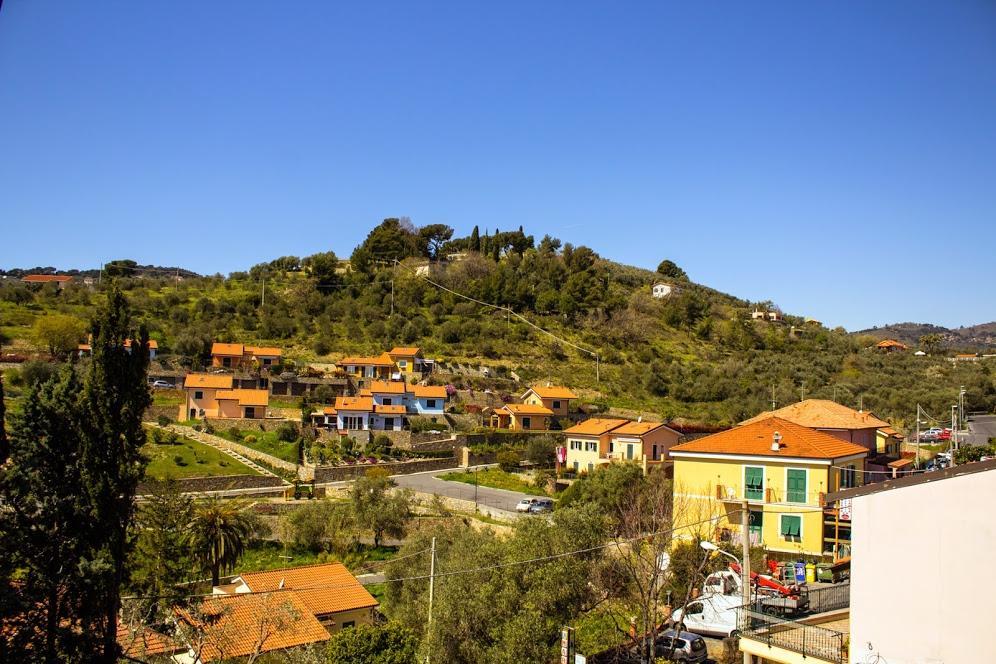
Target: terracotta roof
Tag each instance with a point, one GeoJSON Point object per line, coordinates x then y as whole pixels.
{"type": "Point", "coordinates": [755, 439]}
{"type": "Point", "coordinates": [387, 387]}
{"type": "Point", "coordinates": [209, 381]}
{"type": "Point", "coordinates": [382, 360]}
{"type": "Point", "coordinates": [137, 642]}
{"type": "Point", "coordinates": [901, 463]}
{"type": "Point", "coordinates": [245, 397]}
{"type": "Point", "coordinates": [638, 428]}
{"type": "Point", "coordinates": [45, 278]}
{"type": "Point", "coordinates": [233, 350]}
{"type": "Point", "coordinates": [429, 391]}
{"type": "Point", "coordinates": [240, 625]}
{"type": "Point", "coordinates": [325, 588]}
{"type": "Point", "coordinates": [527, 409]}
{"type": "Point", "coordinates": [329, 410]}
{"type": "Point", "coordinates": [153, 344]}
{"type": "Point", "coordinates": [267, 351]}
{"type": "Point", "coordinates": [891, 343]}
{"type": "Point", "coordinates": [406, 351]}
{"type": "Point", "coordinates": [365, 392]}
{"type": "Point", "coordinates": [552, 392]}
{"type": "Point", "coordinates": [354, 403]}
{"type": "Point", "coordinates": [823, 414]}
{"type": "Point", "coordinates": [595, 426]}
{"type": "Point", "coordinates": [395, 409]}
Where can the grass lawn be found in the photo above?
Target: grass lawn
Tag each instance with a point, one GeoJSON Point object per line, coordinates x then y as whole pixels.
{"type": "Point", "coordinates": [188, 458]}
{"type": "Point", "coordinates": [284, 403]}
{"type": "Point", "coordinates": [166, 398]}
{"type": "Point", "coordinates": [274, 555]}
{"type": "Point", "coordinates": [264, 441]}
{"type": "Point", "coordinates": [496, 479]}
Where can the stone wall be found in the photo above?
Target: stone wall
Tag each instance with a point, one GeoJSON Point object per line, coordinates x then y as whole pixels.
{"type": "Point", "coordinates": [228, 423]}
{"type": "Point", "coordinates": [325, 474]}
{"type": "Point", "coordinates": [222, 483]}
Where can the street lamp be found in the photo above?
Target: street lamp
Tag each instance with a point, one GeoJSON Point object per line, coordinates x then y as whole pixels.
{"type": "Point", "coordinates": [709, 546]}
{"type": "Point", "coordinates": [744, 573]}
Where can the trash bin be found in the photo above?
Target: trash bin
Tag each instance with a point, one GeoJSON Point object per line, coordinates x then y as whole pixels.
{"type": "Point", "coordinates": [810, 573]}
{"type": "Point", "coordinates": [824, 572]}
{"type": "Point", "coordinates": [800, 572]}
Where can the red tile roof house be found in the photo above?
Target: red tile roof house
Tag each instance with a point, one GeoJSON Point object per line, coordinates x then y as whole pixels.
{"type": "Point", "coordinates": [59, 280]}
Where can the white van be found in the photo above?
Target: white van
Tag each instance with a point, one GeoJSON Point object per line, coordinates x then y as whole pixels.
{"type": "Point", "coordinates": [711, 614]}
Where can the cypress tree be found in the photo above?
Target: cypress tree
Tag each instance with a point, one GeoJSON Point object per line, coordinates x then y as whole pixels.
{"type": "Point", "coordinates": [475, 239]}
{"type": "Point", "coordinates": [115, 396]}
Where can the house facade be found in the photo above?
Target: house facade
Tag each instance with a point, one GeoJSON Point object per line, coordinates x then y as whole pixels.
{"type": "Point", "coordinates": [212, 395]}
{"type": "Point", "coordinates": [554, 397]}
{"type": "Point", "coordinates": [661, 290]}
{"type": "Point", "coordinates": [241, 357]}
{"type": "Point", "coordinates": [588, 443]}
{"type": "Point", "coordinates": [522, 417]}
{"type": "Point", "coordinates": [781, 469]}
{"type": "Point", "coordinates": [375, 367]}
{"type": "Point", "coordinates": [407, 359]}
{"type": "Point", "coordinates": [427, 400]}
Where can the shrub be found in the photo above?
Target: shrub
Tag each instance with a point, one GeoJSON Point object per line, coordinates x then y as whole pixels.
{"type": "Point", "coordinates": [508, 460]}
{"type": "Point", "coordinates": [163, 421]}
{"type": "Point", "coordinates": [251, 438]}
{"type": "Point", "coordinates": [287, 433]}
{"type": "Point", "coordinates": [208, 428]}
{"type": "Point", "coordinates": [197, 427]}
{"type": "Point", "coordinates": [179, 460]}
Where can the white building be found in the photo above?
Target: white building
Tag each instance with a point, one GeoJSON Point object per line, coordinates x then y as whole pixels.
{"type": "Point", "coordinates": [662, 290]}
{"type": "Point", "coordinates": [921, 549]}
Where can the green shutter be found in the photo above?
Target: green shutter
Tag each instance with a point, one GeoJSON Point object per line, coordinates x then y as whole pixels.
{"type": "Point", "coordinates": [791, 526]}
{"type": "Point", "coordinates": [796, 486]}
{"type": "Point", "coordinates": [754, 483]}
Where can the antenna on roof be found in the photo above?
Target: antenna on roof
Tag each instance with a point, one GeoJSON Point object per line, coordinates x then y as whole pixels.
{"type": "Point", "coordinates": [281, 586]}
{"type": "Point", "coordinates": [776, 442]}
{"type": "Point", "coordinates": [639, 419]}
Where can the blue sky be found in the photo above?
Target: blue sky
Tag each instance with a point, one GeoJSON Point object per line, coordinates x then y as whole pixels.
{"type": "Point", "coordinates": [836, 158]}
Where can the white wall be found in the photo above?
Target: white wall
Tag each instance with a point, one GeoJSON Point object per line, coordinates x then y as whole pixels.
{"type": "Point", "coordinates": [922, 564]}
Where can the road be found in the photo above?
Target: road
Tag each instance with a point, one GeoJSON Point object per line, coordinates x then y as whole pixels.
{"type": "Point", "coordinates": [981, 429]}
{"type": "Point", "coordinates": [497, 499]}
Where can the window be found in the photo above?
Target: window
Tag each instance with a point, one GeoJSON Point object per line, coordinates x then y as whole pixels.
{"type": "Point", "coordinates": [795, 480]}
{"type": "Point", "coordinates": [430, 403]}
{"type": "Point", "coordinates": [389, 423]}
{"type": "Point", "coordinates": [590, 446]}
{"type": "Point", "coordinates": [348, 624]}
{"type": "Point", "coordinates": [848, 477]}
{"type": "Point", "coordinates": [576, 466]}
{"type": "Point", "coordinates": [694, 608]}
{"type": "Point", "coordinates": [753, 483]}
{"type": "Point", "coordinates": [402, 364]}
{"type": "Point", "coordinates": [250, 412]}
{"type": "Point", "coordinates": [791, 528]}
{"type": "Point", "coordinates": [656, 454]}
{"type": "Point", "coordinates": [226, 361]}
{"type": "Point", "coordinates": [525, 422]}
{"type": "Point", "coordinates": [556, 405]}
{"type": "Point", "coordinates": [629, 451]}
{"type": "Point", "coordinates": [267, 361]}
{"type": "Point", "coordinates": [575, 445]}
{"type": "Point", "coordinates": [591, 466]}
{"type": "Point", "coordinates": [387, 401]}
{"type": "Point", "coordinates": [756, 525]}
{"type": "Point", "coordinates": [198, 394]}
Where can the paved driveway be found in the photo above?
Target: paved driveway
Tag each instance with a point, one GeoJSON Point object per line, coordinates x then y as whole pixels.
{"type": "Point", "coordinates": [981, 429]}
{"type": "Point", "coordinates": [497, 499]}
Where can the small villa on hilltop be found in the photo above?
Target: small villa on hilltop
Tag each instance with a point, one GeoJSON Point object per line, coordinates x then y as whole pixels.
{"type": "Point", "coordinates": [521, 417]}
{"type": "Point", "coordinates": [212, 395]}
{"type": "Point", "coordinates": [396, 364]}
{"type": "Point", "coordinates": [889, 345]}
{"type": "Point", "coordinates": [554, 397]}
{"type": "Point", "coordinates": [241, 357]}
{"type": "Point", "coordinates": [598, 441]}
{"type": "Point", "coordinates": [384, 406]}
{"type": "Point", "coordinates": [60, 280]}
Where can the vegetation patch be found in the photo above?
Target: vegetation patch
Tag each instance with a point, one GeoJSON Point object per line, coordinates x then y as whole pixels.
{"type": "Point", "coordinates": [495, 478]}
{"type": "Point", "coordinates": [177, 457]}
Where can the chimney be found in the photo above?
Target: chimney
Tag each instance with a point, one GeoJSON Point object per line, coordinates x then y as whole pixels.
{"type": "Point", "coordinates": [639, 419]}
{"type": "Point", "coordinates": [776, 442]}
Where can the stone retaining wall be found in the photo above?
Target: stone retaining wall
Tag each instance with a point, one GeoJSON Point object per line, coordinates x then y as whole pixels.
{"type": "Point", "coordinates": [228, 423]}
{"type": "Point", "coordinates": [222, 483]}
{"type": "Point", "coordinates": [325, 474]}
{"type": "Point", "coordinates": [248, 452]}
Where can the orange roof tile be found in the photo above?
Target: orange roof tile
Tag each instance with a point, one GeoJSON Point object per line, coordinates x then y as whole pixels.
{"type": "Point", "coordinates": [264, 351]}
{"type": "Point", "coordinates": [354, 403]}
{"type": "Point", "coordinates": [382, 360]}
{"type": "Point", "coordinates": [638, 428]}
{"type": "Point", "coordinates": [208, 381]}
{"type": "Point", "coordinates": [138, 642]}
{"type": "Point", "coordinates": [387, 387]}
{"type": "Point", "coordinates": [45, 278]}
{"type": "Point", "coordinates": [227, 350]}
{"type": "Point", "coordinates": [595, 426]}
{"type": "Point", "coordinates": [551, 392]}
{"type": "Point", "coordinates": [329, 410]}
{"type": "Point", "coordinates": [325, 588]}
{"type": "Point", "coordinates": [153, 344]}
{"type": "Point", "coordinates": [405, 351]}
{"type": "Point", "coordinates": [239, 625]}
{"type": "Point", "coordinates": [429, 391]}
{"type": "Point", "coordinates": [891, 343]}
{"type": "Point", "coordinates": [823, 414]}
{"type": "Point", "coordinates": [755, 439]}
{"type": "Point", "coordinates": [245, 397]}
{"type": "Point", "coordinates": [527, 409]}
{"type": "Point", "coordinates": [395, 409]}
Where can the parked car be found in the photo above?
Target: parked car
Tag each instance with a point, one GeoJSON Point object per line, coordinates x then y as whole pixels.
{"type": "Point", "coordinates": [714, 614]}
{"type": "Point", "coordinates": [162, 384]}
{"type": "Point", "coordinates": [541, 505]}
{"type": "Point", "coordinates": [525, 504]}
{"type": "Point", "coordinates": [681, 647]}
{"type": "Point", "coordinates": [945, 434]}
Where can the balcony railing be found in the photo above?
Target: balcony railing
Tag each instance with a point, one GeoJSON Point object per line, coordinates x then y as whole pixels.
{"type": "Point", "coordinates": [733, 493]}
{"type": "Point", "coordinates": [808, 640]}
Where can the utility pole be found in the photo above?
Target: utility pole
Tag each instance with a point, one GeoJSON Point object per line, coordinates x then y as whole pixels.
{"type": "Point", "coordinates": [432, 583]}
{"type": "Point", "coordinates": [772, 397]}
{"type": "Point", "coordinates": [954, 433]}
{"type": "Point", "coordinates": [802, 391]}
{"type": "Point", "coordinates": [597, 379]}
{"type": "Point", "coordinates": [262, 301]}
{"type": "Point", "coordinates": [861, 403]}
{"type": "Point", "coordinates": [918, 436]}
{"type": "Point", "coordinates": [745, 567]}
{"type": "Point", "coordinates": [392, 297]}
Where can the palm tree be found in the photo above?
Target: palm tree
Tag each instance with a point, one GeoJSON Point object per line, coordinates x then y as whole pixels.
{"type": "Point", "coordinates": [221, 532]}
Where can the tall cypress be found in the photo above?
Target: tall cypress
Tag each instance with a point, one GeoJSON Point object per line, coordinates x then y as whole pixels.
{"type": "Point", "coordinates": [475, 239]}
{"type": "Point", "coordinates": [115, 396]}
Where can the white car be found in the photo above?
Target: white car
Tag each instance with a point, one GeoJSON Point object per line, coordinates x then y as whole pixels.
{"type": "Point", "coordinates": [710, 614]}
{"type": "Point", "coordinates": [525, 504]}
{"type": "Point", "coordinates": [162, 384]}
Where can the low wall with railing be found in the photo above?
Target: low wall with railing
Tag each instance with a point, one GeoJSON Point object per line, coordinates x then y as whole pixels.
{"type": "Point", "coordinates": [324, 474]}
{"type": "Point", "coordinates": [813, 641]}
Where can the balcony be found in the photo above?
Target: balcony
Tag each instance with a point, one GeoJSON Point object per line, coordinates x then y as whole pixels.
{"type": "Point", "coordinates": [764, 635]}
{"type": "Point", "coordinates": [729, 493]}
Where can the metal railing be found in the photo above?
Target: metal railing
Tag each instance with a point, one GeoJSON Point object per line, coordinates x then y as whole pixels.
{"type": "Point", "coordinates": [808, 640]}
{"type": "Point", "coordinates": [735, 493]}
{"type": "Point", "coordinates": [830, 598]}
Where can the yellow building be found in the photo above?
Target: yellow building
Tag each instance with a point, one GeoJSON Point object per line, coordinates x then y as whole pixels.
{"type": "Point", "coordinates": [781, 469]}
{"type": "Point", "coordinates": [521, 417]}
{"type": "Point", "coordinates": [557, 399]}
{"type": "Point", "coordinates": [211, 395]}
{"type": "Point", "coordinates": [407, 359]}
{"type": "Point", "coordinates": [588, 443]}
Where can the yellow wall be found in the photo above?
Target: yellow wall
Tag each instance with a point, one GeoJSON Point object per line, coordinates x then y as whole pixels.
{"type": "Point", "coordinates": [358, 616]}
{"type": "Point", "coordinates": [581, 457]}
{"type": "Point", "coordinates": [695, 486]}
{"type": "Point", "coordinates": [207, 402]}
{"type": "Point", "coordinates": [536, 422]}
{"type": "Point", "coordinates": [561, 411]}
{"type": "Point", "coordinates": [410, 363]}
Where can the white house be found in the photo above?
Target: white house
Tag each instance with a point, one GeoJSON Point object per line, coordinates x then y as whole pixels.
{"type": "Point", "coordinates": [427, 400]}
{"type": "Point", "coordinates": [662, 290]}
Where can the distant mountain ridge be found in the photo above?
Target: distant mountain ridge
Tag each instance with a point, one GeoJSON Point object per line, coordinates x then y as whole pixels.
{"type": "Point", "coordinates": [981, 336]}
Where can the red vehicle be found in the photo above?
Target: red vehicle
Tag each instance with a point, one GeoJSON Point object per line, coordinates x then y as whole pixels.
{"type": "Point", "coordinates": [945, 434]}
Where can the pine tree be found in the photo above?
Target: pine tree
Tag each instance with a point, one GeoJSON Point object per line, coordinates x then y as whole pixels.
{"type": "Point", "coordinates": [115, 396]}
{"type": "Point", "coordinates": [475, 239]}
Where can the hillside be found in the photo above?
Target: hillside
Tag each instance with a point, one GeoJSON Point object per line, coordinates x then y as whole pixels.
{"type": "Point", "coordinates": [696, 355]}
{"type": "Point", "coordinates": [974, 337]}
